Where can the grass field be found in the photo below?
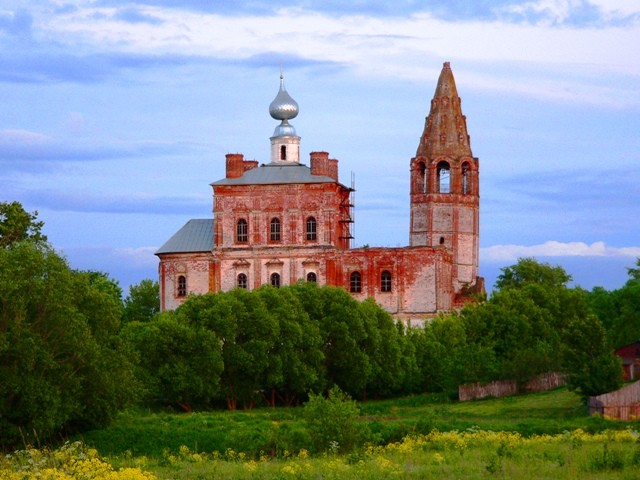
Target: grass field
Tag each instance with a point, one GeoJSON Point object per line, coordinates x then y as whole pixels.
{"type": "Point", "coordinates": [543, 435]}
{"type": "Point", "coordinates": [280, 429]}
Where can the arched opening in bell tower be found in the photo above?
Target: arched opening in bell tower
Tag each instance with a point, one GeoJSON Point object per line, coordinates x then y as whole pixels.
{"type": "Point", "coordinates": [422, 168]}
{"type": "Point", "coordinates": [443, 176]}
{"type": "Point", "coordinates": [466, 179]}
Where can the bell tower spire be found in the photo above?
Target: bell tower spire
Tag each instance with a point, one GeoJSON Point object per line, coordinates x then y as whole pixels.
{"type": "Point", "coordinates": [445, 199]}
{"type": "Point", "coordinates": [445, 129]}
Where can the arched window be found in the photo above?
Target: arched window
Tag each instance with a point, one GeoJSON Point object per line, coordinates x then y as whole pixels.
{"type": "Point", "coordinates": [242, 280]}
{"type": "Point", "coordinates": [283, 152]}
{"type": "Point", "coordinates": [275, 230]}
{"type": "Point", "coordinates": [423, 178]}
{"type": "Point", "coordinates": [441, 240]}
{"type": "Point", "coordinates": [182, 286]}
{"type": "Point", "coordinates": [466, 179]}
{"type": "Point", "coordinates": [311, 277]}
{"type": "Point", "coordinates": [242, 230]}
{"type": "Point", "coordinates": [385, 281]}
{"type": "Point", "coordinates": [312, 229]}
{"type": "Point", "coordinates": [275, 280]}
{"type": "Point", "coordinates": [444, 178]}
{"type": "Point", "coordinates": [355, 282]}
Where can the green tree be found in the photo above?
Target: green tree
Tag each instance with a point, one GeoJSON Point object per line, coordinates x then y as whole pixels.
{"type": "Point", "coordinates": [346, 363]}
{"type": "Point", "coordinates": [534, 323]}
{"type": "Point", "coordinates": [529, 270]}
{"type": "Point", "coordinates": [248, 335]}
{"type": "Point", "coordinates": [296, 358]}
{"type": "Point", "coordinates": [619, 312]}
{"type": "Point", "coordinates": [518, 324]}
{"type": "Point", "coordinates": [438, 350]}
{"type": "Point", "coordinates": [178, 363]}
{"type": "Point", "coordinates": [408, 362]}
{"type": "Point", "coordinates": [383, 346]}
{"type": "Point", "coordinates": [143, 302]}
{"type": "Point", "coordinates": [61, 364]}
{"type": "Point", "coordinates": [634, 272]}
{"type": "Point", "coordinates": [592, 366]}
{"type": "Point", "coordinates": [16, 224]}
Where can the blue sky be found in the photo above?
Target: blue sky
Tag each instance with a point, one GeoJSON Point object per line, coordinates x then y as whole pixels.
{"type": "Point", "coordinates": [115, 116]}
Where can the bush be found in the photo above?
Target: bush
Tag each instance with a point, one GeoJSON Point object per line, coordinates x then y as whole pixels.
{"type": "Point", "coordinates": [331, 421]}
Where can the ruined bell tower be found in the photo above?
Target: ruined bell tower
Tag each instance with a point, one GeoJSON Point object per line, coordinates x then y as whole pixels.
{"type": "Point", "coordinates": [445, 199]}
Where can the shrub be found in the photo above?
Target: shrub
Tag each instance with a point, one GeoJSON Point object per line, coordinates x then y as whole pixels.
{"type": "Point", "coordinates": [331, 421]}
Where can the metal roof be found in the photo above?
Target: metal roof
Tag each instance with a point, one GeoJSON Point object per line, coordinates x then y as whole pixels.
{"type": "Point", "coordinates": [195, 236]}
{"type": "Point", "coordinates": [275, 173]}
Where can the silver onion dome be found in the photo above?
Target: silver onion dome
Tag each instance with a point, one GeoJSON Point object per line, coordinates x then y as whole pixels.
{"type": "Point", "coordinates": [283, 106]}
{"type": "Point", "coordinates": [285, 129]}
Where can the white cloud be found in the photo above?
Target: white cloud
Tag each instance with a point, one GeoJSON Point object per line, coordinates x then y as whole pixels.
{"type": "Point", "coordinates": [554, 11]}
{"type": "Point", "coordinates": [553, 248]}
{"type": "Point", "coordinates": [23, 137]}
{"type": "Point", "coordinates": [549, 12]}
{"type": "Point", "coordinates": [397, 47]}
{"type": "Point", "coordinates": [613, 9]}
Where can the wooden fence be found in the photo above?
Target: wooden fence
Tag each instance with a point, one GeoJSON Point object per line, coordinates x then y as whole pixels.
{"type": "Point", "coordinates": [503, 388]}
{"type": "Point", "coordinates": [499, 388]}
{"type": "Point", "coordinates": [623, 404]}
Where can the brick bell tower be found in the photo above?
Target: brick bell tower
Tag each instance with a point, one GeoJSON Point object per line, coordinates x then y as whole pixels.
{"type": "Point", "coordinates": [445, 199]}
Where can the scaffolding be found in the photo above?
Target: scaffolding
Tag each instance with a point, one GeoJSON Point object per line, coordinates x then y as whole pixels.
{"type": "Point", "coordinates": [347, 211]}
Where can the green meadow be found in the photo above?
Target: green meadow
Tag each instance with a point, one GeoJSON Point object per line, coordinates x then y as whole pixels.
{"type": "Point", "coordinates": [542, 435]}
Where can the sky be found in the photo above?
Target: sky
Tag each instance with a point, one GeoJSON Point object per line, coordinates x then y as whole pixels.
{"type": "Point", "coordinates": [115, 116]}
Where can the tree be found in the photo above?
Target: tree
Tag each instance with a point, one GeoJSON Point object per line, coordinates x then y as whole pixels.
{"type": "Point", "coordinates": [61, 364]}
{"type": "Point", "coordinates": [634, 273]}
{"type": "Point", "coordinates": [619, 312]}
{"type": "Point", "coordinates": [592, 366]}
{"type": "Point", "coordinates": [178, 363]}
{"type": "Point", "coordinates": [142, 303]}
{"type": "Point", "coordinates": [383, 346]}
{"type": "Point", "coordinates": [534, 323]}
{"type": "Point", "coordinates": [16, 225]}
{"type": "Point", "coordinates": [530, 271]}
{"type": "Point", "coordinates": [343, 334]}
{"type": "Point", "coordinates": [519, 325]}
{"type": "Point", "coordinates": [296, 358]}
{"type": "Point", "coordinates": [439, 348]}
{"type": "Point", "coordinates": [248, 335]}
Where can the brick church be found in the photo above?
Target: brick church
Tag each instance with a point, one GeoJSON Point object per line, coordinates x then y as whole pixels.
{"type": "Point", "coordinates": [281, 222]}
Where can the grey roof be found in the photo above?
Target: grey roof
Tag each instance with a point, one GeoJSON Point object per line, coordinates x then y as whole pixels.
{"type": "Point", "coordinates": [275, 173]}
{"type": "Point", "coordinates": [195, 236]}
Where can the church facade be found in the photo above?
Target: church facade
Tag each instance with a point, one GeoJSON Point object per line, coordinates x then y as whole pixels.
{"type": "Point", "coordinates": [283, 222]}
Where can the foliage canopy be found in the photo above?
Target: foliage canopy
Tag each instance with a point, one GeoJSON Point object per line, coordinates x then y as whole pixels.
{"type": "Point", "coordinates": [16, 224]}
{"type": "Point", "coordinates": [61, 362]}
